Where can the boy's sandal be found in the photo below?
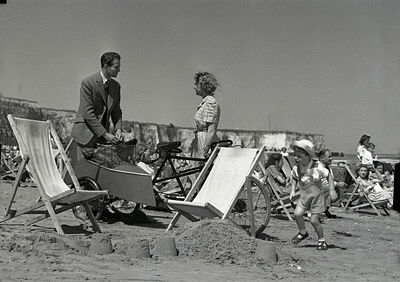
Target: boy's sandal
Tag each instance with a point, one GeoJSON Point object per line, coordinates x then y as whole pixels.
{"type": "Point", "coordinates": [299, 237]}
{"type": "Point", "coordinates": [322, 246]}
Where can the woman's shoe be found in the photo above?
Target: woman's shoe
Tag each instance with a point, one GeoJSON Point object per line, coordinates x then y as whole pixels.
{"type": "Point", "coordinates": [322, 246]}
{"type": "Point", "coordinates": [299, 237]}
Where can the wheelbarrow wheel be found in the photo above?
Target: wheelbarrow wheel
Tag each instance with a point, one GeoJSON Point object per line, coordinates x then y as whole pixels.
{"type": "Point", "coordinates": [240, 213]}
{"type": "Point", "coordinates": [123, 207]}
{"type": "Point", "coordinates": [97, 205]}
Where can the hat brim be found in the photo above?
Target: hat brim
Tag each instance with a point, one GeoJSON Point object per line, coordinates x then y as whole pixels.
{"type": "Point", "coordinates": [307, 149]}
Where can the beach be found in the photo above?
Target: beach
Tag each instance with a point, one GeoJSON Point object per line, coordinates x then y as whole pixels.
{"type": "Point", "coordinates": [362, 246]}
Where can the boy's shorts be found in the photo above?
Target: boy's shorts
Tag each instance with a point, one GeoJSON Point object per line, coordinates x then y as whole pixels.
{"type": "Point", "coordinates": [312, 199]}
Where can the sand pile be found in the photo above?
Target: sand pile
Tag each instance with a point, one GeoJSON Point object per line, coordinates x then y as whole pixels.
{"type": "Point", "coordinates": [216, 241]}
{"type": "Point", "coordinates": [37, 244]}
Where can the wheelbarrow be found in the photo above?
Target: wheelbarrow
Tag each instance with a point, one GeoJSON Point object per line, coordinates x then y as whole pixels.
{"type": "Point", "coordinates": [125, 183]}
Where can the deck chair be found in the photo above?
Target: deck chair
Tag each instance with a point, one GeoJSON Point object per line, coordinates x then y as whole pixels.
{"type": "Point", "coordinates": [362, 195]}
{"type": "Point", "coordinates": [281, 202]}
{"type": "Point", "coordinates": [34, 139]}
{"type": "Point", "coordinates": [219, 185]}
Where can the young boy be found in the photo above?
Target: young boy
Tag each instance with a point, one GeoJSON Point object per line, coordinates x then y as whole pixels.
{"type": "Point", "coordinates": [307, 177]}
{"type": "Point", "coordinates": [327, 180]}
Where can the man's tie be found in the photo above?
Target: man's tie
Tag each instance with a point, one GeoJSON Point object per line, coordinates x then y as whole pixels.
{"type": "Point", "coordinates": [106, 92]}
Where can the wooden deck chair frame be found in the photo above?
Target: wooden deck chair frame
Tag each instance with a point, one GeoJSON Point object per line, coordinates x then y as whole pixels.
{"type": "Point", "coordinates": [199, 181]}
{"type": "Point", "coordinates": [362, 194]}
{"type": "Point", "coordinates": [281, 200]}
{"type": "Point", "coordinates": [11, 172]}
{"type": "Point", "coordinates": [45, 201]}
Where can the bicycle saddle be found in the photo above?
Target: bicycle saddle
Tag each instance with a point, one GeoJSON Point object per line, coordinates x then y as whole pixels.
{"type": "Point", "coordinates": [171, 147]}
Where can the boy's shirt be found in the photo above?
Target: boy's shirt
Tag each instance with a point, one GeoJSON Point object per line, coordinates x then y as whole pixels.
{"type": "Point", "coordinates": [315, 175]}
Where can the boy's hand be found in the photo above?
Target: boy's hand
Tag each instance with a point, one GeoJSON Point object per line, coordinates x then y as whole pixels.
{"type": "Point", "coordinates": [333, 194]}
{"type": "Point", "coordinates": [291, 195]}
{"type": "Point", "coordinates": [341, 184]}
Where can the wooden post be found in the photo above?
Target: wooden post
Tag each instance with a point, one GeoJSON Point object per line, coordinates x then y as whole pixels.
{"type": "Point", "coordinates": [250, 206]}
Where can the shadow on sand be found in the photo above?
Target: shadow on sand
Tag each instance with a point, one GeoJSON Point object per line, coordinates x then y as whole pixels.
{"type": "Point", "coordinates": [138, 218]}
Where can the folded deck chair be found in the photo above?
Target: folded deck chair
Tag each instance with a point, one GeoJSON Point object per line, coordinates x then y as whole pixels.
{"type": "Point", "coordinates": [217, 191]}
{"type": "Point", "coordinates": [362, 195]}
{"type": "Point", "coordinates": [34, 140]}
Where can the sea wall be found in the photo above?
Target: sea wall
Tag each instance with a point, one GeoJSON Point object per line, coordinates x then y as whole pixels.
{"type": "Point", "coordinates": [148, 133]}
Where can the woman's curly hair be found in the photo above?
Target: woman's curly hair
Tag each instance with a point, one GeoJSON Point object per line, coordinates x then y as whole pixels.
{"type": "Point", "coordinates": [207, 81]}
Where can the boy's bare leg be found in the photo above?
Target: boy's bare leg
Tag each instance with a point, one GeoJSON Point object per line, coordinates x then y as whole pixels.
{"type": "Point", "coordinates": [298, 215]}
{"type": "Point", "coordinates": [317, 225]}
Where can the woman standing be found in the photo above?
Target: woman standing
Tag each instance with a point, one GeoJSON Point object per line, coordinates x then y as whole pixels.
{"type": "Point", "coordinates": [361, 149]}
{"type": "Point", "coordinates": [208, 112]}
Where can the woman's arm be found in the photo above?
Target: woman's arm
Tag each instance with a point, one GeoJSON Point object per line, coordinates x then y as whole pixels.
{"type": "Point", "coordinates": [211, 133]}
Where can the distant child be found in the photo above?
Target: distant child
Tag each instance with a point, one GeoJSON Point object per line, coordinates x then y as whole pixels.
{"type": "Point", "coordinates": [368, 158]}
{"type": "Point", "coordinates": [327, 179]}
{"type": "Point", "coordinates": [308, 179]}
{"type": "Point", "coordinates": [284, 152]}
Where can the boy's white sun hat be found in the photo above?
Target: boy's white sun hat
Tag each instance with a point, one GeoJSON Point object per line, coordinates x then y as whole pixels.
{"type": "Point", "coordinates": [306, 145]}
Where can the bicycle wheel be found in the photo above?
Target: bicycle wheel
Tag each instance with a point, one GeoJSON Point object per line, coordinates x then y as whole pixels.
{"type": "Point", "coordinates": [97, 205]}
{"type": "Point", "coordinates": [261, 207]}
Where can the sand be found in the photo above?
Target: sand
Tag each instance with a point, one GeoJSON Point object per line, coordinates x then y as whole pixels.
{"type": "Point", "coordinates": [362, 246]}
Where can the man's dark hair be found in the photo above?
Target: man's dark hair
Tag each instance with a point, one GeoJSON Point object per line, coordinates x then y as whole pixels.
{"type": "Point", "coordinates": [108, 58]}
{"type": "Point", "coordinates": [273, 158]}
{"type": "Point", "coordinates": [322, 153]}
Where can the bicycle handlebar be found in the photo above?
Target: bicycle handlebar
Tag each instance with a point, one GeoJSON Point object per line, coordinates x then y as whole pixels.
{"type": "Point", "coordinates": [223, 143]}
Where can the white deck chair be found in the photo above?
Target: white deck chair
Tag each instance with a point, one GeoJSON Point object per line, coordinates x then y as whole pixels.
{"type": "Point", "coordinates": [231, 171]}
{"type": "Point", "coordinates": [34, 140]}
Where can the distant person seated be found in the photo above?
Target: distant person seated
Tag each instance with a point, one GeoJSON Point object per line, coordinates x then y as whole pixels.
{"type": "Point", "coordinates": [364, 140]}
{"type": "Point", "coordinates": [368, 159]}
{"type": "Point", "coordinates": [384, 178]}
{"type": "Point", "coordinates": [374, 191]}
{"type": "Point", "coordinates": [274, 171]}
{"type": "Point", "coordinates": [284, 152]}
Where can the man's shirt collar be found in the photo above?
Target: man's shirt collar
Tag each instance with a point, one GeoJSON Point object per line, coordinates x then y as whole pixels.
{"type": "Point", "coordinates": [103, 77]}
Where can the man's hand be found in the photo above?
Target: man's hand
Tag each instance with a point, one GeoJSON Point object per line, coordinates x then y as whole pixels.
{"type": "Point", "coordinates": [118, 134]}
{"type": "Point", "coordinates": [110, 138]}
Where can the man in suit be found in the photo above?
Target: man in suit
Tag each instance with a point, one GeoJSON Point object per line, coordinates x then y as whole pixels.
{"type": "Point", "coordinates": [99, 100]}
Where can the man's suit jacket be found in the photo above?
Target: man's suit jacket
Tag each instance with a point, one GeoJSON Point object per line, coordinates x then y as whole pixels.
{"type": "Point", "coordinates": [92, 107]}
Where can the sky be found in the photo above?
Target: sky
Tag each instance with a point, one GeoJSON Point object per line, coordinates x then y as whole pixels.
{"type": "Point", "coordinates": [313, 66]}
